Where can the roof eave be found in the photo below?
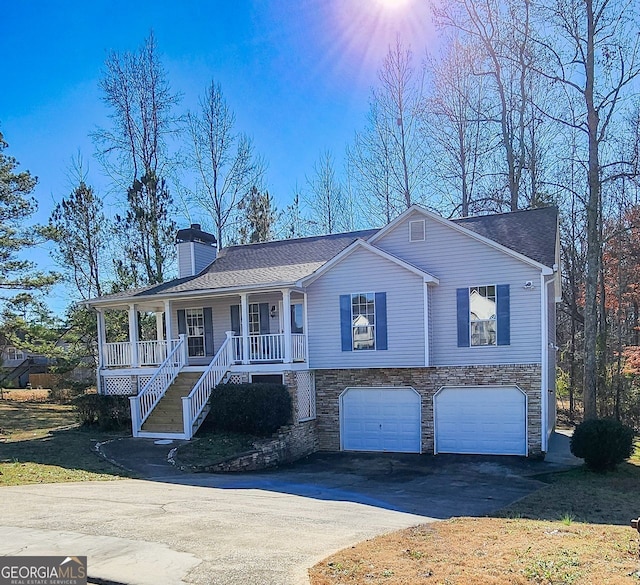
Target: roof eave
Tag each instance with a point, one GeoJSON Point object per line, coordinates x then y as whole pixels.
{"type": "Point", "coordinates": [223, 291]}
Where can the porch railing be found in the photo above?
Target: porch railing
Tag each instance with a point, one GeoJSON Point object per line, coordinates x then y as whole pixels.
{"type": "Point", "coordinates": [116, 354]}
{"type": "Point", "coordinates": [298, 347]}
{"type": "Point", "coordinates": [150, 353]}
{"type": "Point", "coordinates": [269, 348]}
{"type": "Point", "coordinates": [194, 403]}
{"type": "Point", "coordinates": [155, 388]}
{"type": "Point", "coordinates": [262, 348]}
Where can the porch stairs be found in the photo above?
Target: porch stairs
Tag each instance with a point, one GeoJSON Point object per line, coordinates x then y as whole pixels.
{"type": "Point", "coordinates": [174, 402]}
{"type": "Point", "coordinates": [166, 418]}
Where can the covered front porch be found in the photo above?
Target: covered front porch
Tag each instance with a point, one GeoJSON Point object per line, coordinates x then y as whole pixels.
{"type": "Point", "coordinates": [265, 327]}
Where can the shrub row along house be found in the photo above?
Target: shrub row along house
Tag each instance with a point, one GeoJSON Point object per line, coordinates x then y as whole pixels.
{"type": "Point", "coordinates": [426, 336]}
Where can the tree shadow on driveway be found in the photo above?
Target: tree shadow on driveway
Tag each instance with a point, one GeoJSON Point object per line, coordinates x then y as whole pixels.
{"type": "Point", "coordinates": [438, 487]}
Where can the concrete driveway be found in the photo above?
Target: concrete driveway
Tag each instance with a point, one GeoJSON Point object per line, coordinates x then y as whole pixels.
{"type": "Point", "coordinates": [265, 528]}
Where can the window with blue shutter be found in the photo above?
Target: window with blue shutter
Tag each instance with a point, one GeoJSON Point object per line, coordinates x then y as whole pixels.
{"type": "Point", "coordinates": [483, 315]}
{"type": "Point", "coordinates": [363, 321]}
{"type": "Point", "coordinates": [381, 320]}
{"type": "Point", "coordinates": [345, 322]}
{"type": "Point", "coordinates": [503, 314]}
{"type": "Point", "coordinates": [462, 300]}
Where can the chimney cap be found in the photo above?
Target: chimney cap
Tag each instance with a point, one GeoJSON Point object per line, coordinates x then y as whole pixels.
{"type": "Point", "coordinates": [195, 234]}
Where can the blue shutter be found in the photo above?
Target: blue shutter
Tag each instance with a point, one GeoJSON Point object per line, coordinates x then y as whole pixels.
{"type": "Point", "coordinates": [345, 322]}
{"type": "Point", "coordinates": [381, 320]}
{"type": "Point", "coordinates": [462, 300]}
{"type": "Point", "coordinates": [264, 318]}
{"type": "Point", "coordinates": [182, 322]}
{"type": "Point", "coordinates": [235, 319]}
{"type": "Point", "coordinates": [208, 331]}
{"type": "Point", "coordinates": [503, 314]}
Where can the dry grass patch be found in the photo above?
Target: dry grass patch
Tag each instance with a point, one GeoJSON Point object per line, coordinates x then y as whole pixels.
{"type": "Point", "coordinates": [22, 420]}
{"type": "Point", "coordinates": [42, 443]}
{"type": "Point", "coordinates": [573, 531]}
{"type": "Point", "coordinates": [488, 551]}
{"type": "Point", "coordinates": [25, 394]}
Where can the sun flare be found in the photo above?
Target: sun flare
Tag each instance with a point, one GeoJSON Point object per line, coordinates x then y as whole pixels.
{"type": "Point", "coordinates": [393, 4]}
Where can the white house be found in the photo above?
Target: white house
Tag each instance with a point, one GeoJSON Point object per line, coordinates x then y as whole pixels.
{"type": "Point", "coordinates": [428, 335]}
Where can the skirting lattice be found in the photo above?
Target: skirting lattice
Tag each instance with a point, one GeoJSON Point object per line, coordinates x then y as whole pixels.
{"type": "Point", "coordinates": [306, 395]}
{"type": "Point", "coordinates": [112, 385]}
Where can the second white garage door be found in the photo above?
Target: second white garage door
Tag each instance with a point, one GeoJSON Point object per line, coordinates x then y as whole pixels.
{"type": "Point", "coordinates": [380, 419]}
{"type": "Point", "coordinates": [488, 420]}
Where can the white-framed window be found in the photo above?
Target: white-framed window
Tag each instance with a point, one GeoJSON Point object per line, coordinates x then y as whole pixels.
{"type": "Point", "coordinates": [195, 331]}
{"type": "Point", "coordinates": [482, 313]}
{"type": "Point", "coordinates": [254, 318]}
{"type": "Point", "coordinates": [13, 353]}
{"type": "Point", "coordinates": [363, 317]}
{"type": "Point", "coordinates": [417, 230]}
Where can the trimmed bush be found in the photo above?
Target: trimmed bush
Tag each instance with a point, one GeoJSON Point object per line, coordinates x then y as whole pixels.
{"type": "Point", "coordinates": [107, 413]}
{"type": "Point", "coordinates": [602, 443]}
{"type": "Point", "coordinates": [255, 409]}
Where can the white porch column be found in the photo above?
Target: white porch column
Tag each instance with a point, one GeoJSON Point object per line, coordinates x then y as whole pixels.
{"type": "Point", "coordinates": [244, 321]}
{"type": "Point", "coordinates": [133, 334]}
{"type": "Point", "coordinates": [286, 321]}
{"type": "Point", "coordinates": [168, 328]}
{"type": "Point", "coordinates": [305, 326]}
{"type": "Point", "coordinates": [102, 339]}
{"type": "Point", "coordinates": [159, 332]}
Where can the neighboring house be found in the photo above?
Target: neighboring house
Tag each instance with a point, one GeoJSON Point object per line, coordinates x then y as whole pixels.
{"type": "Point", "coordinates": [428, 335]}
{"type": "Point", "coordinates": [17, 365]}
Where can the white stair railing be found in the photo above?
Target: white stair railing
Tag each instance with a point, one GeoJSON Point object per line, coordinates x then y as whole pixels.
{"type": "Point", "coordinates": [195, 403]}
{"type": "Point", "coordinates": [155, 388]}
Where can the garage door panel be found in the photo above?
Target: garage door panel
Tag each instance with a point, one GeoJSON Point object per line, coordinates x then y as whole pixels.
{"type": "Point", "coordinates": [381, 419]}
{"type": "Point", "coordinates": [483, 420]}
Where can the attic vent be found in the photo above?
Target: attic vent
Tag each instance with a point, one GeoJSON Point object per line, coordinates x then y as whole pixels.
{"type": "Point", "coordinates": [417, 231]}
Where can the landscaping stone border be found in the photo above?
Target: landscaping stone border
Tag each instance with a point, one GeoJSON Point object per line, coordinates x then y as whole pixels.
{"type": "Point", "coordinates": [289, 444]}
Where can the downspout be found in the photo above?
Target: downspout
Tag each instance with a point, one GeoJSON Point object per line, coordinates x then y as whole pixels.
{"type": "Point", "coordinates": [544, 390]}
{"type": "Point", "coordinates": [426, 325]}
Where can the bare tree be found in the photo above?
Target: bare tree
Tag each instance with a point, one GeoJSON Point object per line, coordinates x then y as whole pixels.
{"type": "Point", "coordinates": [388, 158]}
{"type": "Point", "coordinates": [594, 51]}
{"type": "Point", "coordinates": [501, 31]}
{"type": "Point", "coordinates": [225, 164]}
{"type": "Point", "coordinates": [136, 90]}
{"type": "Point", "coordinates": [454, 123]}
{"type": "Point", "coordinates": [134, 152]}
{"type": "Point", "coordinates": [325, 197]}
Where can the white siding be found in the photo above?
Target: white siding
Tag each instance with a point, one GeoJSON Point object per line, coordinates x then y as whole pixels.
{"type": "Point", "coordinates": [222, 314]}
{"type": "Point", "coordinates": [461, 261]}
{"type": "Point", "coordinates": [204, 255]}
{"type": "Point", "coordinates": [185, 268]}
{"type": "Point", "coordinates": [364, 271]}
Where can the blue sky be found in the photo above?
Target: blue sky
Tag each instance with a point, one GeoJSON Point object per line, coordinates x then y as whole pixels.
{"type": "Point", "coordinates": [297, 73]}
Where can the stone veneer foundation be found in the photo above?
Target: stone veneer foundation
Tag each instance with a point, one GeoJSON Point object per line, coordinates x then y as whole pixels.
{"type": "Point", "coordinates": [427, 381]}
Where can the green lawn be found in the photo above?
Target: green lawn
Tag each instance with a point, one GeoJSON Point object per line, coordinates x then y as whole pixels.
{"type": "Point", "coordinates": [42, 443]}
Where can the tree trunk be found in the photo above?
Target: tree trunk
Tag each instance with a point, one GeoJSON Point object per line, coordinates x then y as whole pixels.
{"type": "Point", "coordinates": [593, 229]}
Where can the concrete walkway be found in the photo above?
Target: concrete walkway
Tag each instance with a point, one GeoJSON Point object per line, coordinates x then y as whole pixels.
{"type": "Point", "coordinates": [265, 528]}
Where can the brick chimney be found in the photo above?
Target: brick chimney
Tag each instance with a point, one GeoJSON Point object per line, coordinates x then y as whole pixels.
{"type": "Point", "coordinates": [196, 250]}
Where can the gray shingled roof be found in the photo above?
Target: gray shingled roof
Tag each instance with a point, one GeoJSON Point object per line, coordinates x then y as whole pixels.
{"type": "Point", "coordinates": [268, 263]}
{"type": "Point", "coordinates": [531, 233]}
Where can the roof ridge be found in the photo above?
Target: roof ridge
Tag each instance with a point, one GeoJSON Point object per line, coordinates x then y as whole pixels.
{"type": "Point", "coordinates": [503, 213]}
{"type": "Point", "coordinates": [319, 236]}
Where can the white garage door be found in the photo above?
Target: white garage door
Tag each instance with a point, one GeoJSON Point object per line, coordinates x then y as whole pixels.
{"type": "Point", "coordinates": [380, 419]}
{"type": "Point", "coordinates": [483, 420]}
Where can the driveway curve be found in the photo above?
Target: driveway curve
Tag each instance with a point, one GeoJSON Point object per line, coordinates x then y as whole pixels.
{"type": "Point", "coordinates": [264, 528]}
